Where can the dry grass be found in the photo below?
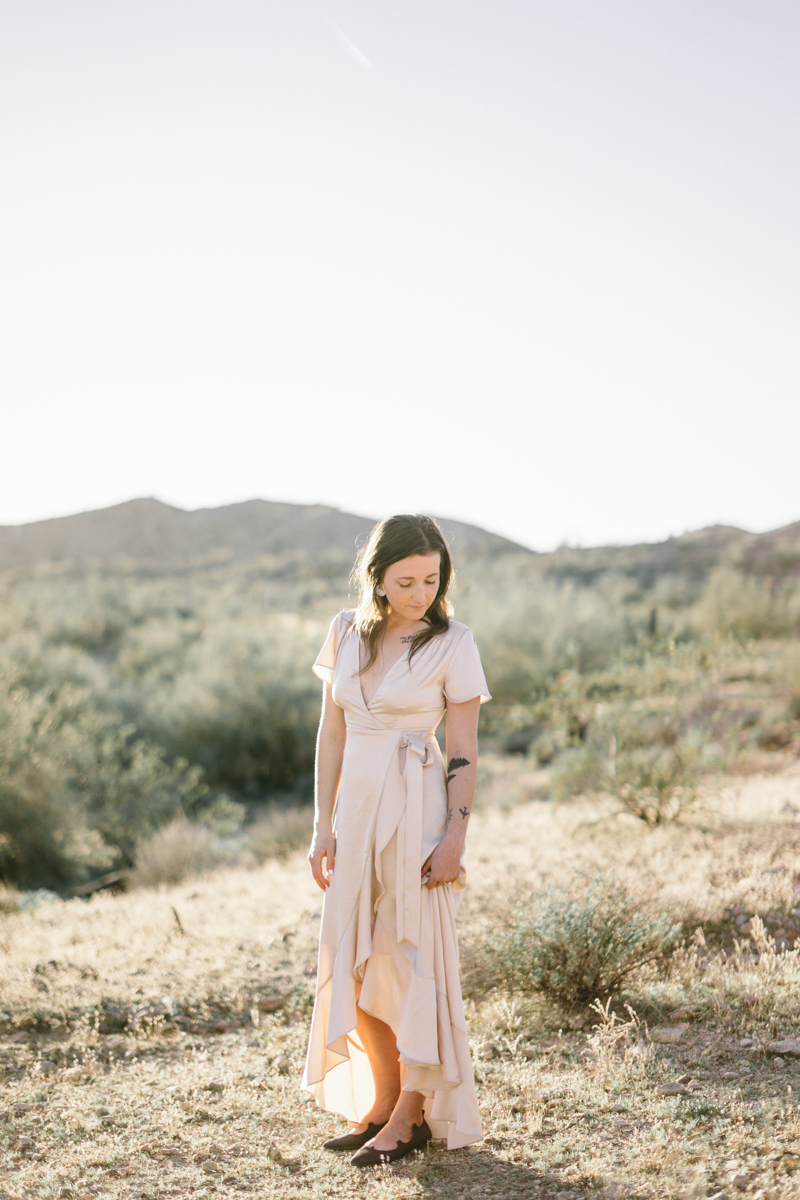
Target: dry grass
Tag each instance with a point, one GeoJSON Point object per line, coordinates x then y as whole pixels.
{"type": "Point", "coordinates": [139, 1057]}
{"type": "Point", "coordinates": [181, 848]}
{"type": "Point", "coordinates": [281, 831]}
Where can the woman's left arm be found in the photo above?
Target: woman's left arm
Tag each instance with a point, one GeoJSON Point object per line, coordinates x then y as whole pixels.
{"type": "Point", "coordinates": [462, 773]}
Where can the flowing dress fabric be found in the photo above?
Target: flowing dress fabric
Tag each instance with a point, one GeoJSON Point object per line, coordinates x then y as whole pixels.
{"type": "Point", "coordinates": [387, 942]}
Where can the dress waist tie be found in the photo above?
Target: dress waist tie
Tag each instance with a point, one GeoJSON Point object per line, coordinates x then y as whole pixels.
{"type": "Point", "coordinates": [418, 755]}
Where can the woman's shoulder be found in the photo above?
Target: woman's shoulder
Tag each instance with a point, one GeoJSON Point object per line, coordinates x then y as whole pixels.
{"type": "Point", "coordinates": [455, 632]}
{"type": "Point", "coordinates": [457, 629]}
{"type": "Point", "coordinates": [343, 620]}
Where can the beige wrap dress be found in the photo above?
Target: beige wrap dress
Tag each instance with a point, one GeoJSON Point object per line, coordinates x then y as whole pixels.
{"type": "Point", "coordinates": [387, 942]}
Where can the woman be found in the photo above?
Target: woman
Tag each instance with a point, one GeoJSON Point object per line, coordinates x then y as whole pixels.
{"type": "Point", "coordinates": [388, 1044]}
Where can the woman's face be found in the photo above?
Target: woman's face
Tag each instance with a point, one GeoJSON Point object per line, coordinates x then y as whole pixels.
{"type": "Point", "coordinates": [411, 585]}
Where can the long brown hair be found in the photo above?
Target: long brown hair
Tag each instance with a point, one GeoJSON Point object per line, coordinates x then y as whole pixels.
{"type": "Point", "coordinates": [389, 542]}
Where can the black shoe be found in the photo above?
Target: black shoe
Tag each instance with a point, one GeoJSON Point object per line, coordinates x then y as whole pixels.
{"type": "Point", "coordinates": [353, 1141]}
{"type": "Point", "coordinates": [368, 1156]}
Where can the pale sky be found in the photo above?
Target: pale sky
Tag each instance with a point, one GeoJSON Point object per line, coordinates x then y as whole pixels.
{"type": "Point", "coordinates": [530, 264]}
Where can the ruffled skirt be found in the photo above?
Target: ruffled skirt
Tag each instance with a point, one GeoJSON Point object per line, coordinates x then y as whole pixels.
{"type": "Point", "coordinates": [414, 990]}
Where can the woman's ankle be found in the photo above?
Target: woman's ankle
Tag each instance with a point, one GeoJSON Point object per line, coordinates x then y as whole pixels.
{"type": "Point", "coordinates": [381, 1111]}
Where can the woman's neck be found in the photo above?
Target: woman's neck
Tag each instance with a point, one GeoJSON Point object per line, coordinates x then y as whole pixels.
{"type": "Point", "coordinates": [397, 624]}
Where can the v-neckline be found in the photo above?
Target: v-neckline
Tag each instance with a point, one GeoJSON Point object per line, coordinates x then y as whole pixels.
{"type": "Point", "coordinates": [377, 691]}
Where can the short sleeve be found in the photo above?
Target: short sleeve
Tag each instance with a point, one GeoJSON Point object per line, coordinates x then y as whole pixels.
{"type": "Point", "coordinates": [326, 659]}
{"type": "Point", "coordinates": [464, 678]}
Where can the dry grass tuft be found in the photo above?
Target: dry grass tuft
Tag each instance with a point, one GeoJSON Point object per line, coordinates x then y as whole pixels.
{"type": "Point", "coordinates": [179, 849]}
{"type": "Point", "coordinates": [279, 832]}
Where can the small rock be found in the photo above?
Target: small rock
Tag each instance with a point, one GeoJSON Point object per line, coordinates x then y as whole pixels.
{"type": "Point", "coordinates": [778, 1062]}
{"type": "Point", "coordinates": [487, 1050]}
{"type": "Point", "coordinates": [670, 1089]}
{"type": "Point", "coordinates": [668, 1037]}
{"type": "Point", "coordinates": [729, 1075]}
{"type": "Point", "coordinates": [281, 1064]}
{"type": "Point", "coordinates": [618, 1108]}
{"type": "Point", "coordinates": [269, 1004]}
{"type": "Point", "coordinates": [694, 1085]}
{"type": "Point", "coordinates": [214, 1085]}
{"type": "Point", "coordinates": [740, 1182]}
{"type": "Point", "coordinates": [44, 1067]}
{"type": "Point", "coordinates": [787, 1046]}
{"type": "Point", "coordinates": [684, 1078]}
{"type": "Point", "coordinates": [747, 1041]}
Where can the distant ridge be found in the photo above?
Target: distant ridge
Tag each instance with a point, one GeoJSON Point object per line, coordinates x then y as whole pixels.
{"type": "Point", "coordinates": [146, 533]}
{"type": "Point", "coordinates": [149, 531]}
{"type": "Point", "coordinates": [693, 556]}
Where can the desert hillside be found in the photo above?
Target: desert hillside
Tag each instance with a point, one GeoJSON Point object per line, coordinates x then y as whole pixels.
{"type": "Point", "coordinates": [150, 531]}
{"type": "Point", "coordinates": [146, 532]}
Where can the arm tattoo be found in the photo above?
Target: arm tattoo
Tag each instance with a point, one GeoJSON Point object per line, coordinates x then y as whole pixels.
{"type": "Point", "coordinates": [449, 816]}
{"type": "Point", "coordinates": [453, 766]}
{"type": "Point", "coordinates": [464, 812]}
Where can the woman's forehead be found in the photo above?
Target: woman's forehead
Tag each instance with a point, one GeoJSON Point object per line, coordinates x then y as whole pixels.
{"type": "Point", "coordinates": [416, 564]}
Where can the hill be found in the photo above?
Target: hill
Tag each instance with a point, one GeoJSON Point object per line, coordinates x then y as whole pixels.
{"type": "Point", "coordinates": [149, 531]}
{"type": "Point", "coordinates": [775, 555]}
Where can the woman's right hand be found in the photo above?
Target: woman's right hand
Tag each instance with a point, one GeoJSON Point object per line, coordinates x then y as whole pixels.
{"type": "Point", "coordinates": [322, 856]}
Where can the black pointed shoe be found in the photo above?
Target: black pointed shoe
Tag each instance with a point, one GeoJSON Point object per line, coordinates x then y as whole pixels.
{"type": "Point", "coordinates": [368, 1156]}
{"type": "Point", "coordinates": [353, 1141]}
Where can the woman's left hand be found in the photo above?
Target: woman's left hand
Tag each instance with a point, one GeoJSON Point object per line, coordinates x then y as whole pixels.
{"type": "Point", "coordinates": [444, 864]}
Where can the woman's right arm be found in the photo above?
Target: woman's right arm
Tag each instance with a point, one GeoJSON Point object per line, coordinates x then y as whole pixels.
{"type": "Point", "coordinates": [330, 752]}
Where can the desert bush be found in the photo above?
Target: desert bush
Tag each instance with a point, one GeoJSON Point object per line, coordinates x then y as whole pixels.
{"type": "Point", "coordinates": [78, 790]}
{"type": "Point", "coordinates": [181, 848]}
{"type": "Point", "coordinates": [237, 698]}
{"type": "Point", "coordinates": [656, 784]}
{"type": "Point", "coordinates": [573, 946]}
{"type": "Point", "coordinates": [530, 631]}
{"type": "Point", "coordinates": [280, 831]}
{"type": "Point", "coordinates": [746, 607]}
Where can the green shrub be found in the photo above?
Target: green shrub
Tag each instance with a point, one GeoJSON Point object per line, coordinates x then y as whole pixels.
{"type": "Point", "coordinates": [78, 790]}
{"type": "Point", "coordinates": [746, 607]}
{"type": "Point", "coordinates": [573, 946]}
{"type": "Point", "coordinates": [641, 755]}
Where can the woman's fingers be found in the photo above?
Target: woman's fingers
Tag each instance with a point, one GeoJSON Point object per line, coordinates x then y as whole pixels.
{"type": "Point", "coordinates": [319, 854]}
{"type": "Point", "coordinates": [315, 861]}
